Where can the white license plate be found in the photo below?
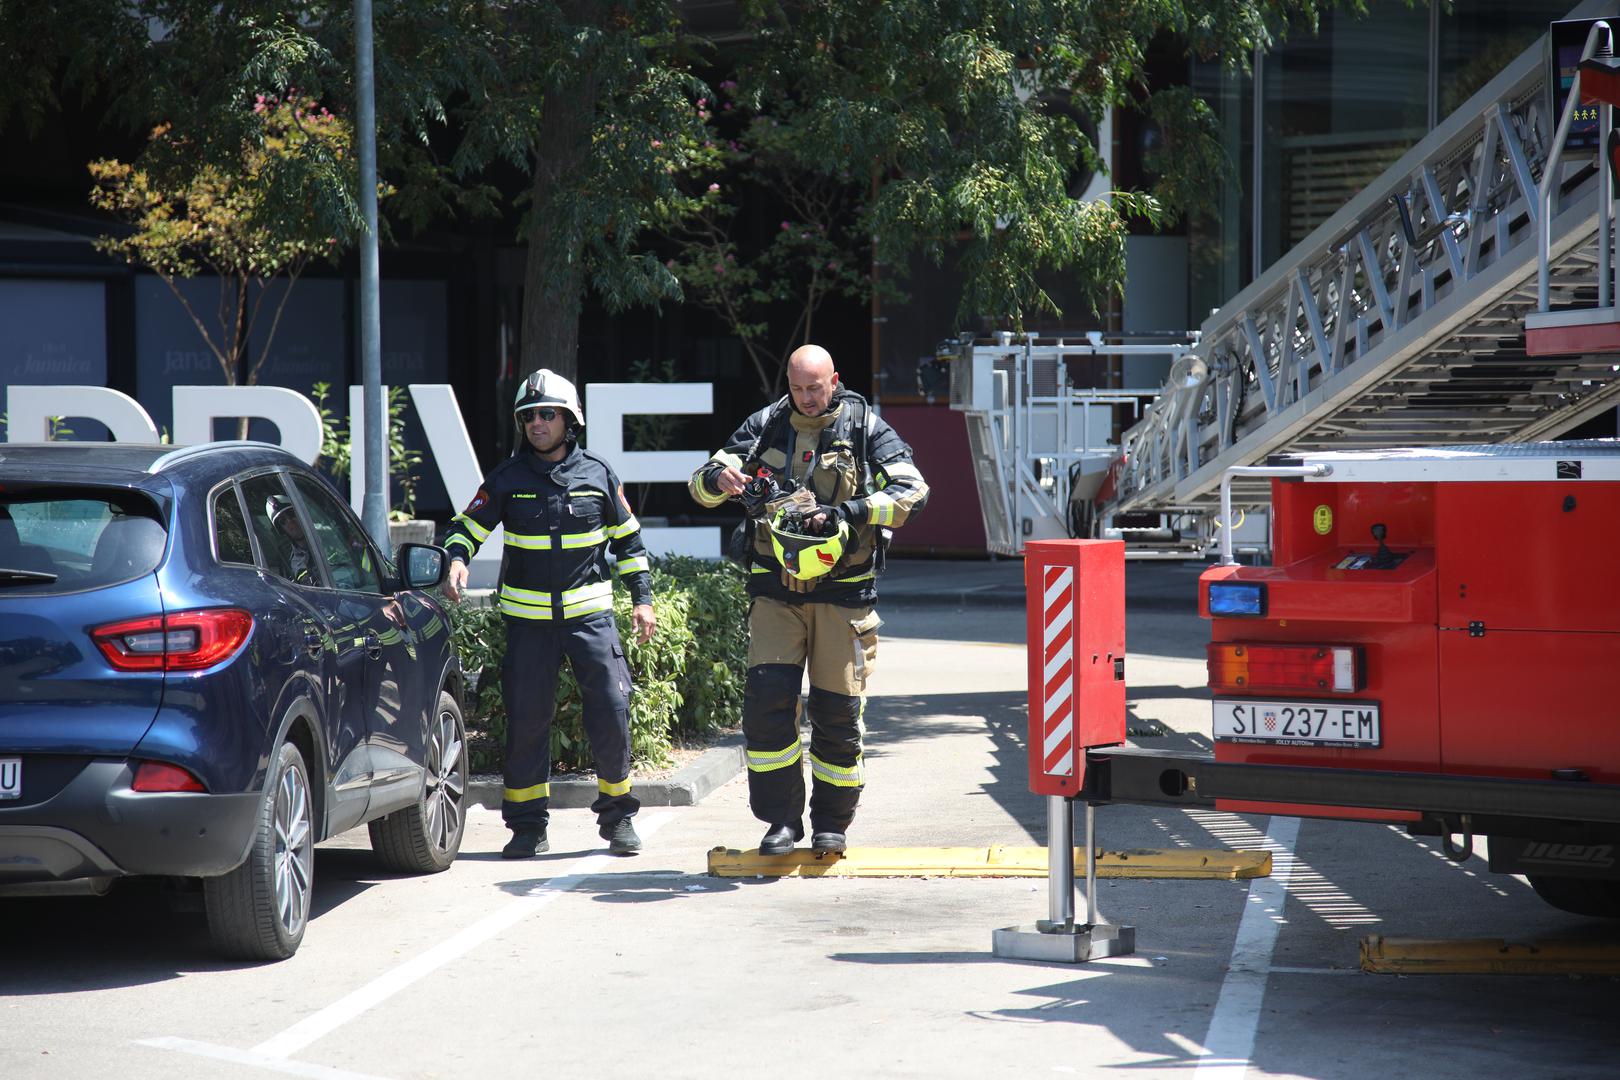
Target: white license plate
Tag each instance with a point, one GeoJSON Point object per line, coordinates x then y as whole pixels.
{"type": "Point", "coordinates": [1298, 723]}
{"type": "Point", "coordinates": [10, 777]}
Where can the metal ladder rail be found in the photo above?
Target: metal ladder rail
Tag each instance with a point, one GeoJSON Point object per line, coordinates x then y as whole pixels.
{"type": "Point", "coordinates": [1363, 297]}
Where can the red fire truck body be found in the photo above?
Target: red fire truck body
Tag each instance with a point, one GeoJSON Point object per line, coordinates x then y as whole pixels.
{"type": "Point", "coordinates": [1436, 643]}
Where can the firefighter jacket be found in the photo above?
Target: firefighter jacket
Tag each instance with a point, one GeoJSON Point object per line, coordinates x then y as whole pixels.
{"type": "Point", "coordinates": [561, 520]}
{"type": "Point", "coordinates": [850, 459]}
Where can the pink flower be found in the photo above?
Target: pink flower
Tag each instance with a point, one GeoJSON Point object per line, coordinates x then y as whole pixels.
{"type": "Point", "coordinates": [713, 188]}
{"type": "Point", "coordinates": [786, 226]}
{"type": "Point", "coordinates": [702, 101]}
{"type": "Point", "coordinates": [729, 84]}
{"type": "Point", "coordinates": [656, 143]}
{"type": "Point", "coordinates": [719, 268]}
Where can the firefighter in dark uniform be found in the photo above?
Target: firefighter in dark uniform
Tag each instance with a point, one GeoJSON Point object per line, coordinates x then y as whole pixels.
{"type": "Point", "coordinates": [563, 511]}
{"type": "Point", "coordinates": [823, 479]}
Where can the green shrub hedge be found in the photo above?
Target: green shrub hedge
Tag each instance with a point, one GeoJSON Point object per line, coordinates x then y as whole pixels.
{"type": "Point", "coordinates": [688, 680]}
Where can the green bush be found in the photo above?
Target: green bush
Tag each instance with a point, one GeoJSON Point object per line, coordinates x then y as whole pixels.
{"type": "Point", "coordinates": [688, 679]}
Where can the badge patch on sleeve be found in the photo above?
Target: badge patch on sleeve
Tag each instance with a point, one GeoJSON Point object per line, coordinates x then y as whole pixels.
{"type": "Point", "coordinates": [478, 501]}
{"type": "Point", "coordinates": [624, 502]}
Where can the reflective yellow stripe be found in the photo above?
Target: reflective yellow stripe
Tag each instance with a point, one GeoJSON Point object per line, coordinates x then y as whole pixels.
{"type": "Point", "coordinates": [759, 570]}
{"type": "Point", "coordinates": [771, 760]}
{"type": "Point", "coordinates": [525, 596]}
{"type": "Point", "coordinates": [586, 491]}
{"type": "Point", "coordinates": [584, 539]}
{"type": "Point", "coordinates": [603, 603]}
{"type": "Point", "coordinates": [837, 774]}
{"type": "Point", "coordinates": [624, 528]}
{"type": "Point", "coordinates": [523, 611]}
{"type": "Point", "coordinates": [478, 532]}
{"type": "Point", "coordinates": [858, 577]}
{"type": "Point", "coordinates": [899, 470]}
{"type": "Point", "coordinates": [879, 509]}
{"type": "Point", "coordinates": [459, 540]}
{"type": "Point", "coordinates": [526, 794]}
{"type": "Point", "coordinates": [633, 565]}
{"type": "Point", "coordinates": [589, 592]}
{"type": "Point", "coordinates": [621, 788]}
{"type": "Point", "coordinates": [530, 543]}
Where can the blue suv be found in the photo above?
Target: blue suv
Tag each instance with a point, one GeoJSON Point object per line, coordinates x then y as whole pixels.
{"type": "Point", "coordinates": [206, 667]}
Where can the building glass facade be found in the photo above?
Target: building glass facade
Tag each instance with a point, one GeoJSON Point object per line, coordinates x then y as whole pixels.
{"type": "Point", "coordinates": [1335, 109]}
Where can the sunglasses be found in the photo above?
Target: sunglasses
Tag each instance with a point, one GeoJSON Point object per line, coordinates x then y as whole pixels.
{"type": "Point", "coordinates": [544, 415]}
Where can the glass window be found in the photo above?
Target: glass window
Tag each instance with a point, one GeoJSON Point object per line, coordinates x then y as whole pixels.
{"type": "Point", "coordinates": [339, 538]}
{"type": "Point", "coordinates": [55, 540]}
{"type": "Point", "coordinates": [283, 540]}
{"type": "Point", "coordinates": [231, 543]}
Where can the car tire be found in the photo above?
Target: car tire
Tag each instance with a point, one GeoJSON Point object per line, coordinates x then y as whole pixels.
{"type": "Point", "coordinates": [425, 838]}
{"type": "Point", "coordinates": [259, 910]}
{"type": "Point", "coordinates": [1596, 897]}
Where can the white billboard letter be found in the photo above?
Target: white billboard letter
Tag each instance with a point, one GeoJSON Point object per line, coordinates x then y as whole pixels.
{"type": "Point", "coordinates": [297, 421]}
{"type": "Point", "coordinates": [451, 449]}
{"type": "Point", "coordinates": [606, 406]}
{"type": "Point", "coordinates": [29, 410]}
{"type": "Point", "coordinates": [357, 450]}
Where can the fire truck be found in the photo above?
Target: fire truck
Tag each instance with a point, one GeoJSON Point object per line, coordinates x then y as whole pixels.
{"type": "Point", "coordinates": [1435, 644]}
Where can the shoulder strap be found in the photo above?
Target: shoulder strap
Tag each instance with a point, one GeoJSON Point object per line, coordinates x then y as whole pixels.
{"type": "Point", "coordinates": [769, 432]}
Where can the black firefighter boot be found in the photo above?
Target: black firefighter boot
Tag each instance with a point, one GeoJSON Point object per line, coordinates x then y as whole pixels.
{"type": "Point", "coordinates": [527, 841]}
{"type": "Point", "coordinates": [779, 839]}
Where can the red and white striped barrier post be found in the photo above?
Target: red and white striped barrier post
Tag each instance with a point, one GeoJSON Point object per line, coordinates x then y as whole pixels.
{"type": "Point", "coordinates": [1076, 640]}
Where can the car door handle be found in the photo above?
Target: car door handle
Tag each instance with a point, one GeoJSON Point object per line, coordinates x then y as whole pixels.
{"type": "Point", "coordinates": [373, 644]}
{"type": "Point", "coordinates": [312, 641]}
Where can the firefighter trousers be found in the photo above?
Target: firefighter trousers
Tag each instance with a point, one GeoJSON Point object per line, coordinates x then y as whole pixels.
{"type": "Point", "coordinates": [839, 644]}
{"type": "Point", "coordinates": [534, 654]}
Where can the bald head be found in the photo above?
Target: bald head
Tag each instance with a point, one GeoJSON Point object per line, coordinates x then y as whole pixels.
{"type": "Point", "coordinates": [811, 379]}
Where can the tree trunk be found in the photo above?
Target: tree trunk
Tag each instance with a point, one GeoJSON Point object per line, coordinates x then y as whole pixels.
{"type": "Point", "coordinates": [554, 276]}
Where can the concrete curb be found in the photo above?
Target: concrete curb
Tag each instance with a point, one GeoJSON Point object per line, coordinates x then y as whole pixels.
{"type": "Point", "coordinates": [687, 787]}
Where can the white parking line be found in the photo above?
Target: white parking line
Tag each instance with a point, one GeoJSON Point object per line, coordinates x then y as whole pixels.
{"type": "Point", "coordinates": [248, 1057]}
{"type": "Point", "coordinates": [388, 984]}
{"type": "Point", "coordinates": [1230, 1040]}
{"type": "Point", "coordinates": [271, 1053]}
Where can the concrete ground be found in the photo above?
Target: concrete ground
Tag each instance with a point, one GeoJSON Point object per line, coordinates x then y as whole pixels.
{"type": "Point", "coordinates": [577, 964]}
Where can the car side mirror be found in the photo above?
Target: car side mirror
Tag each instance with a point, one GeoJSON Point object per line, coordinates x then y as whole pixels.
{"type": "Point", "coordinates": [422, 566]}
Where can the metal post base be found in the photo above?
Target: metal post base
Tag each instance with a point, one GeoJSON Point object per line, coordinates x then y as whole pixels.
{"type": "Point", "coordinates": [1060, 944]}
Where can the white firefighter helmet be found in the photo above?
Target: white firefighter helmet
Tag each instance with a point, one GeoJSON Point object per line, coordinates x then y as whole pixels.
{"type": "Point", "coordinates": [546, 387]}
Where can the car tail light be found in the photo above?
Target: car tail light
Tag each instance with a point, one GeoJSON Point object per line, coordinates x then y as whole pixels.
{"type": "Point", "coordinates": [161, 776]}
{"type": "Point", "coordinates": [1249, 669]}
{"type": "Point", "coordinates": [186, 641]}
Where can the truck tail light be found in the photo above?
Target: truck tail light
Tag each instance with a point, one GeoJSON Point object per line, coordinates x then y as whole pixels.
{"type": "Point", "coordinates": [185, 641]}
{"type": "Point", "coordinates": [1247, 668]}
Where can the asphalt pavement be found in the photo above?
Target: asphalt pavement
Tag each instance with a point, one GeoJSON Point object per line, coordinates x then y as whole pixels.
{"type": "Point", "coordinates": [577, 963]}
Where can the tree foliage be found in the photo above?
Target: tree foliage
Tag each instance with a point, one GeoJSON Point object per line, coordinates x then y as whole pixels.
{"type": "Point", "coordinates": [241, 219]}
{"type": "Point", "coordinates": [887, 127]}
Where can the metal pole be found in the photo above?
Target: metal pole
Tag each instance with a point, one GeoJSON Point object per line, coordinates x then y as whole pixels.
{"type": "Point", "coordinates": [1605, 271]}
{"type": "Point", "coordinates": [1257, 164]}
{"type": "Point", "coordinates": [374, 504]}
{"type": "Point", "coordinates": [1092, 917]}
{"type": "Point", "coordinates": [1060, 860]}
{"type": "Point", "coordinates": [1550, 174]}
{"type": "Point", "coordinates": [1319, 469]}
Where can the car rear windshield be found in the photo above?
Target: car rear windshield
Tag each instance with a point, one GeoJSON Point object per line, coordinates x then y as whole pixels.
{"type": "Point", "coordinates": [56, 539]}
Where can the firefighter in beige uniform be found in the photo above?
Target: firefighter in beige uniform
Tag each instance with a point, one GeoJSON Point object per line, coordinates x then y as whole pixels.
{"type": "Point", "coordinates": [813, 563]}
